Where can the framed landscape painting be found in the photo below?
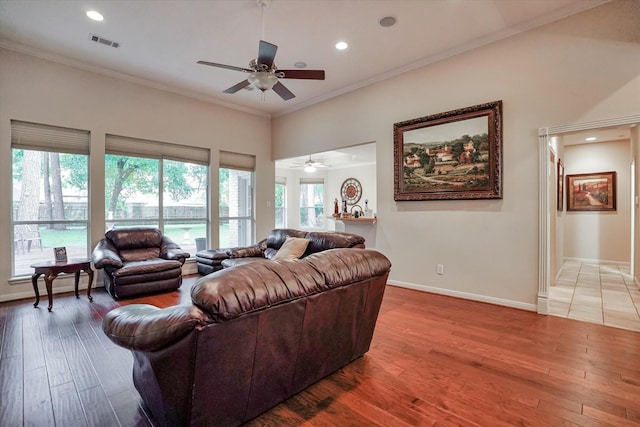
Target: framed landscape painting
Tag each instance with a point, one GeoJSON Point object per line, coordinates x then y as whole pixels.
{"type": "Point", "coordinates": [451, 155]}
{"type": "Point", "coordinates": [591, 192]}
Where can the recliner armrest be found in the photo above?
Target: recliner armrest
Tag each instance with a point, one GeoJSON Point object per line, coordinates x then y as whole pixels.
{"type": "Point", "coordinates": [106, 255]}
{"type": "Point", "coordinates": [171, 250]}
{"type": "Point", "coordinates": [144, 327]}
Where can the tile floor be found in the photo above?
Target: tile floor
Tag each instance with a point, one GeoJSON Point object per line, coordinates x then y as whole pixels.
{"type": "Point", "coordinates": [599, 293]}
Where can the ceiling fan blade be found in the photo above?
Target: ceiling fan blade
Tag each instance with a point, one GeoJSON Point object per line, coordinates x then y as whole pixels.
{"type": "Point", "coordinates": [303, 74]}
{"type": "Point", "coordinates": [237, 87]}
{"type": "Point", "coordinates": [266, 53]}
{"type": "Point", "coordinates": [284, 93]}
{"type": "Point", "coordinates": [228, 67]}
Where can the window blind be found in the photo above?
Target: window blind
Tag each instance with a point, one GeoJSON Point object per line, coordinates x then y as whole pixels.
{"type": "Point", "coordinates": [126, 146]}
{"type": "Point", "coordinates": [281, 180]}
{"type": "Point", "coordinates": [240, 161]}
{"type": "Point", "coordinates": [39, 137]}
{"type": "Point", "coordinates": [311, 180]}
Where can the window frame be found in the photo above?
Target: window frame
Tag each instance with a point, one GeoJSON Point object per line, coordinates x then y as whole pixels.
{"type": "Point", "coordinates": [312, 181]}
{"type": "Point", "coordinates": [250, 202]}
{"type": "Point", "coordinates": [281, 181]}
{"type": "Point", "coordinates": [42, 138]}
{"type": "Point", "coordinates": [156, 150]}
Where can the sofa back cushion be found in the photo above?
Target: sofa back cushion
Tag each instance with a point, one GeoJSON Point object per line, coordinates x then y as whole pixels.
{"type": "Point", "coordinates": [318, 240]}
{"type": "Point", "coordinates": [136, 243]}
{"type": "Point", "coordinates": [233, 292]}
{"type": "Point", "coordinates": [323, 240]}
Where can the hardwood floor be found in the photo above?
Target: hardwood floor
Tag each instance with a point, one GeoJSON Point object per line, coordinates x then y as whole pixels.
{"type": "Point", "coordinates": [434, 360]}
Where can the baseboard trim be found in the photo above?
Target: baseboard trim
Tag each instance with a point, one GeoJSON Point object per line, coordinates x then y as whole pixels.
{"type": "Point", "coordinates": [66, 283]}
{"type": "Point", "coordinates": [465, 295]}
{"type": "Point", "coordinates": [595, 261]}
{"type": "Point", "coordinates": [57, 289]}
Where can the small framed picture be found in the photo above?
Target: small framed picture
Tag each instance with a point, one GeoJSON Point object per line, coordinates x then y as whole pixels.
{"type": "Point", "coordinates": [60, 254]}
{"type": "Point", "coordinates": [591, 191]}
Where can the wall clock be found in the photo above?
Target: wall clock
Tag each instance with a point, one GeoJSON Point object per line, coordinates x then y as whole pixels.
{"type": "Point", "coordinates": [351, 191]}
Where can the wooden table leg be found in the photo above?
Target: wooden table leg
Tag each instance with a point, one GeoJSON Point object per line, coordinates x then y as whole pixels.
{"type": "Point", "coordinates": [48, 280]}
{"type": "Point", "coordinates": [77, 274]}
{"type": "Point", "coordinates": [90, 273]}
{"type": "Point", "coordinates": [34, 281]}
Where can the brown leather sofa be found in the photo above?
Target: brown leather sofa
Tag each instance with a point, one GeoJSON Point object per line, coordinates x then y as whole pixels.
{"type": "Point", "coordinates": [212, 260]}
{"type": "Point", "coordinates": [139, 260]}
{"type": "Point", "coordinates": [255, 335]}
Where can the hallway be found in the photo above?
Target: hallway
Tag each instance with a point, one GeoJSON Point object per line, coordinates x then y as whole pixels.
{"type": "Point", "coordinates": [598, 293]}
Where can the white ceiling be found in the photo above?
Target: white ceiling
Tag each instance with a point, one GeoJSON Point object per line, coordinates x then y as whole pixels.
{"type": "Point", "coordinates": [358, 155]}
{"type": "Point", "coordinates": [600, 135]}
{"type": "Point", "coordinates": [160, 41]}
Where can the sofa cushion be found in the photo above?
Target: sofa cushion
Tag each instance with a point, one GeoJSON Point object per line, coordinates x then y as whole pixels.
{"type": "Point", "coordinates": [292, 248]}
{"type": "Point", "coordinates": [148, 266]}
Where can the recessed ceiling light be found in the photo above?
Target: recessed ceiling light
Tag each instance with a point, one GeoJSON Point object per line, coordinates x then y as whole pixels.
{"type": "Point", "coordinates": [591, 138]}
{"type": "Point", "coordinates": [342, 45]}
{"type": "Point", "coordinates": [388, 21]}
{"type": "Point", "coordinates": [300, 64]}
{"type": "Point", "coordinates": [96, 16]}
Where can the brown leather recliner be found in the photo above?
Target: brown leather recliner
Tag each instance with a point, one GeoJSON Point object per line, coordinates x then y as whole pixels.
{"type": "Point", "coordinates": [139, 260]}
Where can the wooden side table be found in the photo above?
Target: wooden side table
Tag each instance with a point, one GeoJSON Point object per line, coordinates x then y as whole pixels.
{"type": "Point", "coordinates": [51, 269]}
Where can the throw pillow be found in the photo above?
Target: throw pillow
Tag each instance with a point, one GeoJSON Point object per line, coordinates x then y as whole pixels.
{"type": "Point", "coordinates": [292, 248]}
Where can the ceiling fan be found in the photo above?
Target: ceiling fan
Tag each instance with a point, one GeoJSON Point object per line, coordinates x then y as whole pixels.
{"type": "Point", "coordinates": [263, 73]}
{"type": "Point", "coordinates": [310, 166]}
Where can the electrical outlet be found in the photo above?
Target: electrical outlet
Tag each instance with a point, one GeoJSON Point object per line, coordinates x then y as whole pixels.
{"type": "Point", "coordinates": [440, 269]}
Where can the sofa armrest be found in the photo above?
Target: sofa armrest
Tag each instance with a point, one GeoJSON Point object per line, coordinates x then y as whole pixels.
{"type": "Point", "coordinates": [246, 252]}
{"type": "Point", "coordinates": [171, 250]}
{"type": "Point", "coordinates": [106, 255]}
{"type": "Point", "coordinates": [143, 327]}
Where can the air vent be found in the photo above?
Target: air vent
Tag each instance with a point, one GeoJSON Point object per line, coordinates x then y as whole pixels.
{"type": "Point", "coordinates": [102, 40]}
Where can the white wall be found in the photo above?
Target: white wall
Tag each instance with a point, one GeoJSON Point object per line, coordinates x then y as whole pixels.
{"type": "Point", "coordinates": [603, 236]}
{"type": "Point", "coordinates": [41, 91]}
{"type": "Point", "coordinates": [635, 149]}
{"type": "Point", "coordinates": [579, 69]}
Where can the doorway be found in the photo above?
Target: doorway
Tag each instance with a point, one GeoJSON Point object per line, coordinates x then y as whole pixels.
{"type": "Point", "coordinates": [587, 288]}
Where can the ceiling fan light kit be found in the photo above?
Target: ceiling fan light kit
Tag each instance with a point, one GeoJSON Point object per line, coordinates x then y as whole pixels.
{"type": "Point", "coordinates": [263, 73]}
{"type": "Point", "coordinates": [263, 81]}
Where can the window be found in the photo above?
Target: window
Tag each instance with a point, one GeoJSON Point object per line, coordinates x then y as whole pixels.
{"type": "Point", "coordinates": [311, 203]}
{"type": "Point", "coordinates": [281, 202]}
{"type": "Point", "coordinates": [160, 185]}
{"type": "Point", "coordinates": [236, 200]}
{"type": "Point", "coordinates": [49, 193]}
